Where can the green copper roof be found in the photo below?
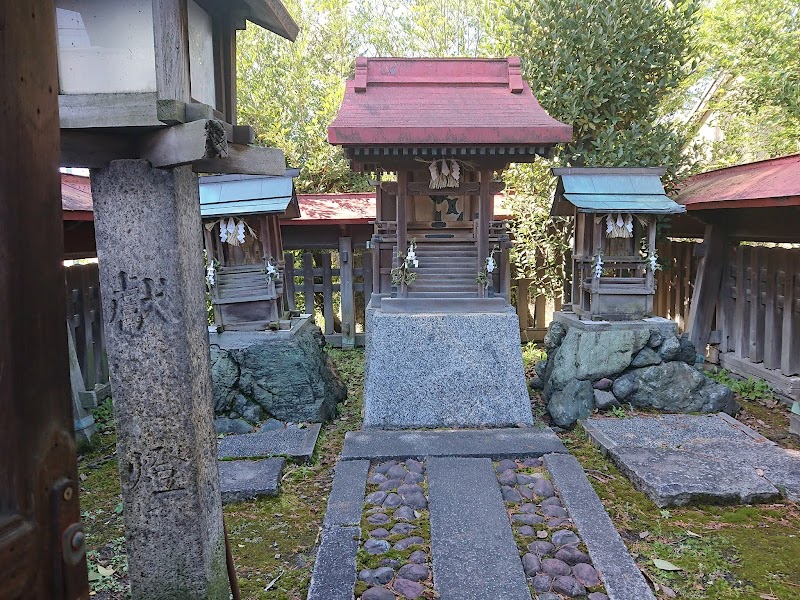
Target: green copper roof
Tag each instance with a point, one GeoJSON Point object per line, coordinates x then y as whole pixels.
{"type": "Point", "coordinates": [228, 195]}
{"type": "Point", "coordinates": [605, 190]}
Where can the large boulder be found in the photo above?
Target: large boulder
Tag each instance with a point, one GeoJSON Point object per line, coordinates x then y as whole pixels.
{"type": "Point", "coordinates": [673, 387]}
{"type": "Point", "coordinates": [573, 403]}
{"type": "Point", "coordinates": [288, 377]}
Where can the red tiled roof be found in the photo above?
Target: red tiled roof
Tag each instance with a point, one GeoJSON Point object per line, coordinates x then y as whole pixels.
{"type": "Point", "coordinates": [456, 101]}
{"type": "Point", "coordinates": [762, 184]}
{"type": "Point", "coordinates": [352, 208]}
{"type": "Point", "coordinates": [76, 197]}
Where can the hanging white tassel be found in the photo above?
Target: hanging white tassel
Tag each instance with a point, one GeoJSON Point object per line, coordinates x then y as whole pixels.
{"type": "Point", "coordinates": [609, 223]}
{"type": "Point", "coordinates": [434, 174]}
{"type": "Point", "coordinates": [240, 232]}
{"type": "Point", "coordinates": [629, 224]}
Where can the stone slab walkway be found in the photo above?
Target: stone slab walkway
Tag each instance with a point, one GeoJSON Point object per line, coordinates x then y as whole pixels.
{"type": "Point", "coordinates": [681, 459]}
{"type": "Point", "coordinates": [378, 444]}
{"type": "Point", "coordinates": [291, 441]}
{"type": "Point", "coordinates": [242, 478]}
{"type": "Point", "coordinates": [475, 555]}
{"type": "Point", "coordinates": [245, 479]}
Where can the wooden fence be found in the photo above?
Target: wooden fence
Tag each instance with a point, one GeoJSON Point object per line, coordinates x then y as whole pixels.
{"type": "Point", "coordinates": [675, 281]}
{"type": "Point", "coordinates": [336, 284]}
{"type": "Point", "coordinates": [85, 321]}
{"type": "Point", "coordinates": [758, 315]}
{"type": "Point", "coordinates": [674, 284]}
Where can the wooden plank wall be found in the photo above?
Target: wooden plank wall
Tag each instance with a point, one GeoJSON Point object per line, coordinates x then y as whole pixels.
{"type": "Point", "coordinates": [675, 281]}
{"type": "Point", "coordinates": [350, 280]}
{"type": "Point", "coordinates": [85, 319]}
{"type": "Point", "coordinates": [759, 310]}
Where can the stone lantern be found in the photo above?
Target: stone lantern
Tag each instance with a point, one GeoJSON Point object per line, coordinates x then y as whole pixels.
{"type": "Point", "coordinates": [147, 98]}
{"type": "Point", "coordinates": [128, 70]}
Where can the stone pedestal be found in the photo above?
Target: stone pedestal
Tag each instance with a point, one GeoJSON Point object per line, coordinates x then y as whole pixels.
{"type": "Point", "coordinates": [433, 368]}
{"type": "Point", "coordinates": [283, 374]}
{"type": "Point", "coordinates": [601, 364]}
{"type": "Point", "coordinates": [147, 223]}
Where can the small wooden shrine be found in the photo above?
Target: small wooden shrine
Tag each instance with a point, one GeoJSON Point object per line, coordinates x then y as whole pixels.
{"type": "Point", "coordinates": [244, 252]}
{"type": "Point", "coordinates": [445, 127]}
{"type": "Point", "coordinates": [614, 256]}
{"type": "Point", "coordinates": [437, 133]}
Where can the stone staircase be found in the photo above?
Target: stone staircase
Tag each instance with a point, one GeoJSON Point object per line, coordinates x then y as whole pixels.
{"type": "Point", "coordinates": [446, 270]}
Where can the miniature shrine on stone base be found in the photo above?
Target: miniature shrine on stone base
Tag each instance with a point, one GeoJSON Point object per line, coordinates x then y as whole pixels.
{"type": "Point", "coordinates": [442, 341]}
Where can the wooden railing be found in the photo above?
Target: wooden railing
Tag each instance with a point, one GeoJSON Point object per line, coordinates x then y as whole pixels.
{"type": "Point", "coordinates": [341, 292]}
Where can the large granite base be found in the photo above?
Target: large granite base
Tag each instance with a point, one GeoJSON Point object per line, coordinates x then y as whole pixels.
{"type": "Point", "coordinates": [444, 370]}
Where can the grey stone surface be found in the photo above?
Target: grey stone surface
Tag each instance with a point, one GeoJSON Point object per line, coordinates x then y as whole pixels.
{"type": "Point", "coordinates": [604, 400]}
{"type": "Point", "coordinates": [678, 477]}
{"type": "Point", "coordinates": [492, 443]}
{"type": "Point", "coordinates": [450, 370]}
{"type": "Point", "coordinates": [474, 553]}
{"type": "Point", "coordinates": [674, 387]}
{"type": "Point", "coordinates": [728, 457]}
{"type": "Point", "coordinates": [226, 425]}
{"type": "Point", "coordinates": [147, 224]}
{"type": "Point", "coordinates": [646, 357]}
{"type": "Point", "coordinates": [347, 495]}
{"type": "Point", "coordinates": [334, 575]}
{"type": "Point", "coordinates": [670, 348]}
{"type": "Point", "coordinates": [244, 479]}
{"type": "Point", "coordinates": [570, 320]}
{"type": "Point", "coordinates": [621, 576]}
{"type": "Point", "coordinates": [289, 377]}
{"type": "Point", "coordinates": [292, 441]}
{"type": "Point", "coordinates": [575, 402]}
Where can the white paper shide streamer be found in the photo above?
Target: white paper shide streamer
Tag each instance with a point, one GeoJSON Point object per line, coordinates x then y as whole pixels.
{"type": "Point", "coordinates": [444, 174]}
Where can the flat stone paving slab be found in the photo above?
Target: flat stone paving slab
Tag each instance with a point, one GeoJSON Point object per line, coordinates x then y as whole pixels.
{"type": "Point", "coordinates": [347, 495]}
{"type": "Point", "coordinates": [334, 575]}
{"type": "Point", "coordinates": [244, 479]}
{"type": "Point", "coordinates": [621, 576]}
{"type": "Point", "coordinates": [680, 459]}
{"type": "Point", "coordinates": [474, 553]}
{"type": "Point", "coordinates": [377, 444]}
{"type": "Point", "coordinates": [291, 441]}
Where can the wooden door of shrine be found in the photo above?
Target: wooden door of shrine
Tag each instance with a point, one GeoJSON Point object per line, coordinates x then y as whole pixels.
{"type": "Point", "coordinates": [42, 549]}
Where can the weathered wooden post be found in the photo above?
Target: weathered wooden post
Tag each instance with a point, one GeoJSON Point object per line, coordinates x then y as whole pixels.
{"type": "Point", "coordinates": [42, 550]}
{"type": "Point", "coordinates": [346, 290]}
{"type": "Point", "coordinates": [147, 98]}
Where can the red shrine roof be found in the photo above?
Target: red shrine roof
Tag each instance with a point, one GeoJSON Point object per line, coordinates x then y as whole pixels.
{"type": "Point", "coordinates": [762, 184]}
{"type": "Point", "coordinates": [353, 208]}
{"type": "Point", "coordinates": [453, 101]}
{"type": "Point", "coordinates": [76, 197]}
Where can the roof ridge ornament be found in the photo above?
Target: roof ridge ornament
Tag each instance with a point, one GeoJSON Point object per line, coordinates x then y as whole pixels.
{"type": "Point", "coordinates": [514, 75]}
{"type": "Point", "coordinates": [361, 74]}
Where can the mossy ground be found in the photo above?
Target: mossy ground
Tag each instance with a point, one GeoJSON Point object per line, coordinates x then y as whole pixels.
{"type": "Point", "coordinates": [726, 553]}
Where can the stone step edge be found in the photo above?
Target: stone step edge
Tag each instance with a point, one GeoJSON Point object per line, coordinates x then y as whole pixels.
{"type": "Point", "coordinates": [622, 578]}
{"type": "Point", "coordinates": [474, 443]}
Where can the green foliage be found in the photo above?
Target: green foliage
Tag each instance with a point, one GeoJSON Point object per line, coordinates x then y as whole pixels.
{"type": "Point", "coordinates": [606, 68]}
{"type": "Point", "coordinates": [750, 50]}
{"type": "Point", "coordinates": [618, 412]}
{"type": "Point", "coordinates": [104, 416]}
{"type": "Point", "coordinates": [751, 389]}
{"type": "Point", "coordinates": [290, 92]}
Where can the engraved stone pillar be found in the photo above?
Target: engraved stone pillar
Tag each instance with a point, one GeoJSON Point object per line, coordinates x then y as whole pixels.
{"type": "Point", "coordinates": [147, 223]}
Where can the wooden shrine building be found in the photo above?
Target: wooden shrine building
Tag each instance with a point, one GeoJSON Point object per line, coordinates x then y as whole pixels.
{"type": "Point", "coordinates": [244, 253]}
{"type": "Point", "coordinates": [438, 133]}
{"type": "Point", "coordinates": [614, 255]}
{"type": "Point", "coordinates": [446, 128]}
